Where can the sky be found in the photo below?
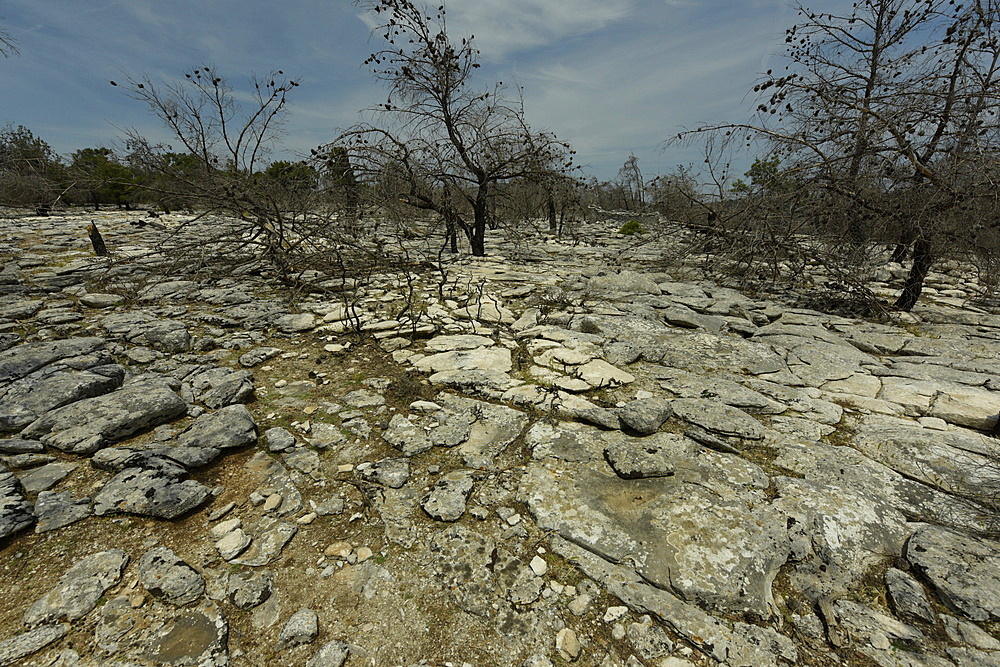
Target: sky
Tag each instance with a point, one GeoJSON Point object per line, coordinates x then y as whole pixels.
{"type": "Point", "coordinates": [611, 77]}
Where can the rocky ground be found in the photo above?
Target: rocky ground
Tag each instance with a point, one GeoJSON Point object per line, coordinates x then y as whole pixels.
{"type": "Point", "coordinates": [542, 462]}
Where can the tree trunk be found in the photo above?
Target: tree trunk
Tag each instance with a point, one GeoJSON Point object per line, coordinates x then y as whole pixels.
{"type": "Point", "coordinates": [97, 240]}
{"type": "Point", "coordinates": [902, 246]}
{"type": "Point", "coordinates": [922, 260]}
{"type": "Point", "coordinates": [477, 239]}
{"type": "Point", "coordinates": [553, 223]}
{"type": "Point", "coordinates": [451, 233]}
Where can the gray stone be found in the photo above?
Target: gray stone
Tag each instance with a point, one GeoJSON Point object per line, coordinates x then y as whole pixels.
{"type": "Point", "coordinates": [24, 461]}
{"type": "Point", "coordinates": [332, 654]}
{"type": "Point", "coordinates": [168, 336]}
{"type": "Point", "coordinates": [908, 597]}
{"type": "Point", "coordinates": [446, 499]}
{"type": "Point", "coordinates": [116, 459]}
{"type": "Point", "coordinates": [55, 510]}
{"type": "Point", "coordinates": [295, 323]}
{"type": "Point", "coordinates": [393, 472]}
{"type": "Point", "coordinates": [88, 425]}
{"type": "Point", "coordinates": [227, 428]}
{"type": "Point", "coordinates": [278, 439]}
{"type": "Point", "coordinates": [232, 544]}
{"type": "Point", "coordinates": [645, 415]}
{"type": "Point", "coordinates": [248, 591]}
{"type": "Point", "coordinates": [19, 446]}
{"type": "Point", "coordinates": [304, 460]}
{"type": "Point", "coordinates": [487, 359]}
{"type": "Point", "coordinates": [683, 384]}
{"type": "Point", "coordinates": [32, 641]}
{"type": "Point", "coordinates": [150, 493]}
{"type": "Point", "coordinates": [362, 398]}
{"type": "Point", "coordinates": [649, 640]}
{"type": "Point", "coordinates": [168, 578]}
{"type": "Point", "coordinates": [406, 436]}
{"type": "Point", "coordinates": [964, 570]}
{"type": "Point", "coordinates": [301, 628]}
{"type": "Point", "coordinates": [267, 546]}
{"type": "Point", "coordinates": [718, 418]}
{"type": "Point", "coordinates": [45, 477]}
{"type": "Point", "coordinates": [640, 459]}
{"type": "Point", "coordinates": [15, 510]}
{"type": "Point", "coordinates": [29, 398]}
{"type": "Point", "coordinates": [195, 637]}
{"type": "Point", "coordinates": [218, 387]}
{"type": "Point", "coordinates": [963, 632]}
{"type": "Point", "coordinates": [258, 356]}
{"type": "Point", "coordinates": [18, 362]}
{"type": "Point", "coordinates": [79, 589]}
{"type": "Point", "coordinates": [95, 300]}
{"type": "Point", "coordinates": [692, 533]}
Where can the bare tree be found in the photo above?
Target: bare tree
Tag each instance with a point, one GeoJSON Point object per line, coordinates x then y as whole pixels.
{"type": "Point", "coordinates": [887, 119]}
{"type": "Point", "coordinates": [8, 45]}
{"type": "Point", "coordinates": [449, 145]}
{"type": "Point", "coordinates": [282, 214]}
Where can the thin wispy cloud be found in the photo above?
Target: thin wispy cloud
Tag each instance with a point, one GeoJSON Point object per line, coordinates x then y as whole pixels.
{"type": "Point", "coordinates": [611, 76]}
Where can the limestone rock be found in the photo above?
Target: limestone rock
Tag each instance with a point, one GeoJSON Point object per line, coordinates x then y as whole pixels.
{"type": "Point", "coordinates": [908, 597]}
{"type": "Point", "coordinates": [394, 472]}
{"type": "Point", "coordinates": [331, 654]}
{"type": "Point", "coordinates": [88, 425]}
{"type": "Point", "coordinates": [645, 416]}
{"type": "Point", "coordinates": [169, 578]}
{"type": "Point", "coordinates": [79, 589]}
{"type": "Point", "coordinates": [152, 493]}
{"type": "Point", "coordinates": [964, 570]}
{"type": "Point", "coordinates": [15, 510]}
{"type": "Point", "coordinates": [718, 418]}
{"type": "Point", "coordinates": [228, 428]}
{"type": "Point", "coordinates": [55, 510]}
{"type": "Point", "coordinates": [446, 499]}
{"type": "Point", "coordinates": [301, 628]}
{"type": "Point", "coordinates": [32, 641]}
{"type": "Point", "coordinates": [19, 361]}
{"type": "Point", "coordinates": [248, 591]}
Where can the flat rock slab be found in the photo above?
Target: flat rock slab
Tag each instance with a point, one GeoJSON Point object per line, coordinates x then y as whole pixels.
{"type": "Point", "coordinates": [267, 546]}
{"type": "Point", "coordinates": [717, 417]}
{"type": "Point", "coordinates": [492, 359]}
{"type": "Point", "coordinates": [452, 343]}
{"type": "Point", "coordinates": [683, 384]}
{"type": "Point", "coordinates": [959, 461]}
{"type": "Point", "coordinates": [964, 570]}
{"type": "Point", "coordinates": [154, 493]}
{"type": "Point", "coordinates": [56, 510]}
{"type": "Point", "coordinates": [15, 510]}
{"type": "Point", "coordinates": [446, 499]}
{"type": "Point", "coordinates": [195, 637]}
{"type": "Point", "coordinates": [28, 399]}
{"type": "Point", "coordinates": [47, 476]}
{"type": "Point", "coordinates": [636, 458]}
{"type": "Point", "coordinates": [228, 428]}
{"type": "Point", "coordinates": [693, 533]}
{"type": "Point", "coordinates": [79, 588]}
{"type": "Point", "coordinates": [32, 641]}
{"type": "Point", "coordinates": [88, 425]}
{"type": "Point", "coordinates": [19, 361]}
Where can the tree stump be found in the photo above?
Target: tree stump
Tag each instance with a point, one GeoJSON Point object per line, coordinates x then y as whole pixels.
{"type": "Point", "coordinates": [97, 240]}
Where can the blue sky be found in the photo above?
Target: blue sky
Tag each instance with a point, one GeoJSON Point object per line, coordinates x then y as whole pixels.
{"type": "Point", "coordinates": [612, 77]}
